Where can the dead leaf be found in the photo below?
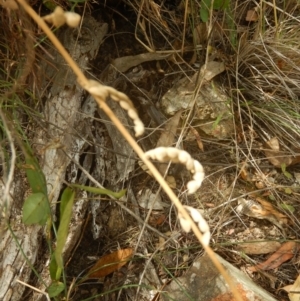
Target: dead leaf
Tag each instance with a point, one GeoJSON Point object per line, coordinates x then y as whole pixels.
{"type": "Point", "coordinates": [109, 263]}
{"type": "Point", "coordinates": [198, 138]}
{"type": "Point", "coordinates": [244, 173]}
{"type": "Point", "coordinates": [155, 8]}
{"type": "Point", "coordinates": [150, 200]}
{"type": "Point", "coordinates": [126, 62]}
{"type": "Point", "coordinates": [287, 288]}
{"type": "Point", "coordinates": [10, 4]}
{"type": "Point", "coordinates": [251, 16]}
{"type": "Point", "coordinates": [200, 34]}
{"type": "Point", "coordinates": [161, 244]}
{"type": "Point", "coordinates": [211, 69]}
{"type": "Point", "coordinates": [274, 155]}
{"type": "Point", "coordinates": [156, 220]}
{"type": "Point", "coordinates": [294, 290]}
{"type": "Point", "coordinates": [270, 210]}
{"type": "Point", "coordinates": [259, 247]}
{"type": "Point", "coordinates": [167, 137]}
{"type": "Point", "coordinates": [283, 254]}
{"type": "Point", "coordinates": [262, 209]}
{"type": "Point", "coordinates": [171, 181]}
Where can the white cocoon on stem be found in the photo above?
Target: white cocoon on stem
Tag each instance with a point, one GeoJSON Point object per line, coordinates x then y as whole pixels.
{"type": "Point", "coordinates": [57, 18]}
{"type": "Point", "coordinates": [139, 127]}
{"type": "Point", "coordinates": [198, 177]}
{"type": "Point", "coordinates": [192, 186]}
{"type": "Point", "coordinates": [125, 105]}
{"type": "Point", "coordinates": [195, 214]}
{"type": "Point", "coordinates": [185, 224]}
{"type": "Point", "coordinates": [133, 114]}
{"type": "Point", "coordinates": [72, 19]}
{"type": "Point", "coordinates": [184, 157]}
{"type": "Point", "coordinates": [172, 152]}
{"type": "Point", "coordinates": [161, 154]}
{"type": "Point", "coordinates": [95, 88]}
{"type": "Point", "coordinates": [190, 164]}
{"type": "Point", "coordinates": [198, 167]}
{"type": "Point", "coordinates": [164, 154]}
{"type": "Point", "coordinates": [201, 222]}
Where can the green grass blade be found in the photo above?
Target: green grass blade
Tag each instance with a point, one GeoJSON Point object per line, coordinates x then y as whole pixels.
{"type": "Point", "coordinates": [67, 200]}
{"type": "Point", "coordinates": [96, 190]}
{"type": "Point", "coordinates": [55, 272]}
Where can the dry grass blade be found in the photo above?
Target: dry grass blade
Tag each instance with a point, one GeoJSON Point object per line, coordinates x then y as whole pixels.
{"type": "Point", "coordinates": [268, 76]}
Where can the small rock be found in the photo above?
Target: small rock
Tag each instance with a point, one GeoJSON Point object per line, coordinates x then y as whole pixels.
{"type": "Point", "coordinates": [203, 282]}
{"type": "Point", "coordinates": [212, 111]}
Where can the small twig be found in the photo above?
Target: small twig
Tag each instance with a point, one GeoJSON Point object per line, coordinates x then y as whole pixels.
{"type": "Point", "coordinates": [34, 288]}
{"type": "Point", "coordinates": [11, 168]}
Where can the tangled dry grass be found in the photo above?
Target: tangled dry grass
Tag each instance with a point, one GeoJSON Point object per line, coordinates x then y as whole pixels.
{"type": "Point", "coordinates": [267, 81]}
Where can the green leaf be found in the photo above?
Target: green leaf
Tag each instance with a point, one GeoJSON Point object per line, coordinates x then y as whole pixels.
{"type": "Point", "coordinates": [288, 190]}
{"type": "Point", "coordinates": [221, 4]}
{"type": "Point", "coordinates": [272, 197]}
{"type": "Point", "coordinates": [206, 6]}
{"type": "Point", "coordinates": [55, 289]}
{"type": "Point", "coordinates": [50, 5]}
{"type": "Point", "coordinates": [217, 121]}
{"type": "Point", "coordinates": [286, 207]}
{"type": "Point", "coordinates": [100, 190]}
{"type": "Point", "coordinates": [36, 209]}
{"type": "Point", "coordinates": [286, 173]}
{"type": "Point", "coordinates": [55, 271]}
{"type": "Point", "coordinates": [204, 14]}
{"type": "Point", "coordinates": [67, 200]}
{"type": "Point", "coordinates": [35, 175]}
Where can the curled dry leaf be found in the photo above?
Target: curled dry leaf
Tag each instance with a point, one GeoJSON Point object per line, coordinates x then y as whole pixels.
{"type": "Point", "coordinates": [165, 154]}
{"type": "Point", "coordinates": [109, 263]}
{"type": "Point", "coordinates": [283, 254]}
{"type": "Point", "coordinates": [200, 222]}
